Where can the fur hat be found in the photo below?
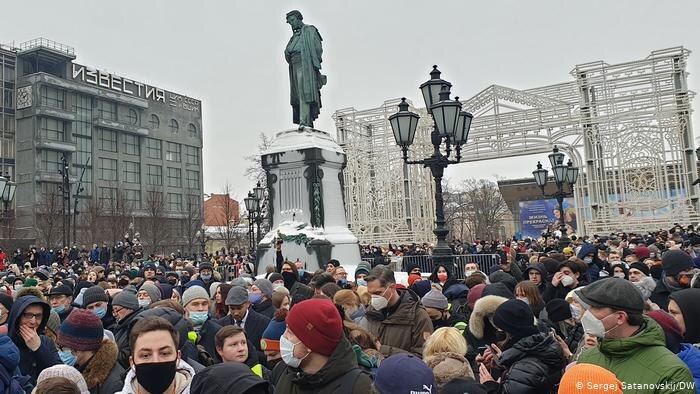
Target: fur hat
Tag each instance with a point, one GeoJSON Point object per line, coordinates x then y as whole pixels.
{"type": "Point", "coordinates": [483, 308]}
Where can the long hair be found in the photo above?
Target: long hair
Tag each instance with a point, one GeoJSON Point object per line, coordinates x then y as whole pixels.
{"type": "Point", "coordinates": [530, 290]}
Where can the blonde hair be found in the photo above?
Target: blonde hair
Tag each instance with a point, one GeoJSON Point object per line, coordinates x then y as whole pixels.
{"type": "Point", "coordinates": [443, 340]}
{"type": "Point", "coordinates": [365, 297]}
{"type": "Point", "coordinates": [346, 297]}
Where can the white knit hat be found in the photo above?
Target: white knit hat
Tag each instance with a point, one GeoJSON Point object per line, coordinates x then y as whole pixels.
{"type": "Point", "coordinates": [64, 371]}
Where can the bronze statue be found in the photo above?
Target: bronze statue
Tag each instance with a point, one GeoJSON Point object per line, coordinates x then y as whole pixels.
{"type": "Point", "coordinates": [303, 53]}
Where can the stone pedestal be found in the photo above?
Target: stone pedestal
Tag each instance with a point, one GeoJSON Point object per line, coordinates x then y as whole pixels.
{"type": "Point", "coordinates": [304, 181]}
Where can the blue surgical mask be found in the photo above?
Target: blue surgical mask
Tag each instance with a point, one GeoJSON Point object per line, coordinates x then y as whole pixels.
{"type": "Point", "coordinates": [255, 298]}
{"type": "Point", "coordinates": [361, 282]}
{"type": "Point", "coordinates": [301, 272]}
{"type": "Point", "coordinates": [67, 357]}
{"type": "Point", "coordinates": [59, 309]}
{"type": "Point", "coordinates": [100, 312]}
{"type": "Point", "coordinates": [206, 276]}
{"type": "Point", "coordinates": [198, 318]}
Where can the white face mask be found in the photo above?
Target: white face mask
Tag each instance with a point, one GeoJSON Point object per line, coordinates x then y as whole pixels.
{"type": "Point", "coordinates": [287, 352]}
{"type": "Point", "coordinates": [468, 273]}
{"type": "Point", "coordinates": [378, 302]}
{"type": "Point", "coordinates": [524, 299]}
{"type": "Point", "coordinates": [594, 326]}
{"type": "Point", "coordinates": [567, 281]}
{"type": "Point", "coordinates": [575, 312]}
{"type": "Point", "coordinates": [619, 275]}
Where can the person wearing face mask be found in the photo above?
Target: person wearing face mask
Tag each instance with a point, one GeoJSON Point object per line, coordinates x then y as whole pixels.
{"type": "Point", "coordinates": [82, 345]}
{"type": "Point", "coordinates": [206, 274]}
{"type": "Point", "coordinates": [442, 274]}
{"type": "Point", "coordinates": [350, 302]}
{"type": "Point", "coordinates": [156, 365]}
{"type": "Point", "coordinates": [97, 301]}
{"type": "Point", "coordinates": [195, 301]}
{"type": "Point", "coordinates": [270, 339]}
{"type": "Point", "coordinates": [317, 356]}
{"type": "Point", "coordinates": [563, 316]}
{"type": "Point", "coordinates": [61, 299]}
{"type": "Point", "coordinates": [304, 276]}
{"type": "Point", "coordinates": [589, 255]}
{"type": "Point", "coordinates": [361, 272]}
{"type": "Point", "coordinates": [395, 315]}
{"type": "Point", "coordinates": [677, 272]}
{"type": "Point", "coordinates": [569, 277]}
{"type": "Point", "coordinates": [297, 290]}
{"type": "Point", "coordinates": [260, 297]}
{"type": "Point", "coordinates": [438, 309]}
{"type": "Point", "coordinates": [148, 294]}
{"type": "Point", "coordinates": [620, 271]}
{"type": "Point", "coordinates": [630, 345]}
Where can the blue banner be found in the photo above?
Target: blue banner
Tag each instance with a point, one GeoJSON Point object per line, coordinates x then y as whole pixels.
{"type": "Point", "coordinates": [540, 216]}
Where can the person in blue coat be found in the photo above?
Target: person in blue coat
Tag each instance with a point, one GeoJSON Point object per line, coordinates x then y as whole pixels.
{"type": "Point", "coordinates": [26, 325]}
{"type": "Point", "coordinates": [11, 380]}
{"type": "Point", "coordinates": [688, 353]}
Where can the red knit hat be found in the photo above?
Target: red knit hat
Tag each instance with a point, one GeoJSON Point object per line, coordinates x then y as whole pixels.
{"type": "Point", "coordinates": [317, 324]}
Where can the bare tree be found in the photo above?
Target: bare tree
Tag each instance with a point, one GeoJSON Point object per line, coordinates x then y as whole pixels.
{"type": "Point", "coordinates": [255, 171]}
{"type": "Point", "coordinates": [155, 221]}
{"type": "Point", "coordinates": [226, 217]}
{"type": "Point", "coordinates": [119, 210]}
{"type": "Point", "coordinates": [193, 219]}
{"type": "Point", "coordinates": [49, 215]}
{"type": "Point", "coordinates": [476, 208]}
{"type": "Point", "coordinates": [90, 220]}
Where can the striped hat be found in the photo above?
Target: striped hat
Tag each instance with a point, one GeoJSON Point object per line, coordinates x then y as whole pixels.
{"type": "Point", "coordinates": [82, 330]}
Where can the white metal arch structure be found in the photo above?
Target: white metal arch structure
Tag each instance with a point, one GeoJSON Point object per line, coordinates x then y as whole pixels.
{"type": "Point", "coordinates": [627, 125]}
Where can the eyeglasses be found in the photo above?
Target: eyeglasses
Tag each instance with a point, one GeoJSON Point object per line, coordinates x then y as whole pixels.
{"type": "Point", "coordinates": [29, 316]}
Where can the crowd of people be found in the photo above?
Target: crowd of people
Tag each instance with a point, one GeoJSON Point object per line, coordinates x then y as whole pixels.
{"type": "Point", "coordinates": [604, 313]}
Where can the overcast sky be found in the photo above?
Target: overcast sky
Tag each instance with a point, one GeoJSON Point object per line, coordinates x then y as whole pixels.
{"type": "Point", "coordinates": [229, 54]}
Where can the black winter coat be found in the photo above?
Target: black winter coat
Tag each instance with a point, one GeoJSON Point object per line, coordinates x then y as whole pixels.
{"type": "Point", "coordinates": [533, 364]}
{"type": "Point", "coordinates": [121, 336]}
{"type": "Point", "coordinates": [265, 308]}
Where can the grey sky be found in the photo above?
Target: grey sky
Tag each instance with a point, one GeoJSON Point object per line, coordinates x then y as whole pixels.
{"type": "Point", "coordinates": [229, 54]}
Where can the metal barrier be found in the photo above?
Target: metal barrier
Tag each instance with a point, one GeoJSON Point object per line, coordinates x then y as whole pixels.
{"type": "Point", "coordinates": [227, 272]}
{"type": "Point", "coordinates": [457, 263]}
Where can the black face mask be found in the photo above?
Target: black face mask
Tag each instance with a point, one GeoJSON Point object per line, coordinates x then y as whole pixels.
{"type": "Point", "coordinates": [156, 377]}
{"type": "Point", "coordinates": [172, 281]}
{"type": "Point", "coordinates": [184, 279]}
{"type": "Point", "coordinates": [123, 282]}
{"type": "Point", "coordinates": [289, 279]}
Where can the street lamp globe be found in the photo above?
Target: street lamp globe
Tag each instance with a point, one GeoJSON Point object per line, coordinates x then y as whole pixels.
{"type": "Point", "coordinates": [556, 158]}
{"type": "Point", "coordinates": [250, 202]}
{"type": "Point", "coordinates": [571, 173]}
{"type": "Point", "coordinates": [259, 192]}
{"type": "Point", "coordinates": [431, 89]}
{"type": "Point", "coordinates": [559, 171]}
{"type": "Point", "coordinates": [463, 125]}
{"type": "Point", "coordinates": [3, 186]}
{"type": "Point", "coordinates": [446, 113]}
{"type": "Point", "coordinates": [404, 124]}
{"type": "Point", "coordinates": [540, 175]}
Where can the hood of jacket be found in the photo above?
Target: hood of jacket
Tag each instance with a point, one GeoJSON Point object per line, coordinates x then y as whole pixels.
{"type": "Point", "coordinates": [183, 379]}
{"type": "Point", "coordinates": [484, 308]}
{"type": "Point", "coordinates": [447, 366]}
{"type": "Point", "coordinates": [586, 249]}
{"type": "Point", "coordinates": [100, 365]}
{"type": "Point", "coordinates": [457, 291]}
{"type": "Point", "coordinates": [340, 362]}
{"type": "Point", "coordinates": [651, 335]}
{"type": "Point", "coordinates": [182, 325]}
{"type": "Point", "coordinates": [541, 346]}
{"type": "Point", "coordinates": [18, 308]}
{"type": "Point", "coordinates": [539, 268]}
{"type": "Point", "coordinates": [228, 377]}
{"type": "Point", "coordinates": [405, 313]}
{"type": "Point", "coordinates": [687, 300]}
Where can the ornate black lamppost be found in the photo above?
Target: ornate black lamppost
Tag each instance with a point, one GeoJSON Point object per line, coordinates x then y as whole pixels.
{"type": "Point", "coordinates": [451, 127]}
{"type": "Point", "coordinates": [563, 174]}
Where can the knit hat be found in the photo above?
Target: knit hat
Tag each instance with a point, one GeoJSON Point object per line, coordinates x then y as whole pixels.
{"type": "Point", "coordinates": [274, 277]}
{"type": "Point", "coordinates": [54, 321]}
{"type": "Point", "coordinates": [64, 371]}
{"type": "Point", "coordinates": [205, 266]}
{"type": "Point", "coordinates": [434, 299]}
{"type": "Point", "coordinates": [642, 252]}
{"type": "Point", "coordinates": [30, 282]}
{"type": "Point", "coordinates": [317, 324]}
{"type": "Point", "coordinates": [410, 266]}
{"type": "Point", "coordinates": [498, 289]}
{"type": "Point", "coordinates": [61, 290]}
{"type": "Point", "coordinates": [270, 339]}
{"type": "Point", "coordinates": [152, 290]}
{"type": "Point", "coordinates": [404, 373]}
{"type": "Point", "coordinates": [474, 294]}
{"type": "Point", "coordinates": [588, 378]}
{"type": "Point", "coordinates": [6, 301]}
{"type": "Point", "coordinates": [675, 261]}
{"type": "Point", "coordinates": [363, 268]}
{"type": "Point", "coordinates": [82, 330]}
{"type": "Point", "coordinates": [94, 294]}
{"type": "Point", "coordinates": [237, 296]}
{"type": "Point", "coordinates": [193, 293]}
{"type": "Point", "coordinates": [615, 293]}
{"type": "Point", "coordinates": [212, 289]}
{"type": "Point", "coordinates": [515, 317]}
{"type": "Point", "coordinates": [413, 278]}
{"type": "Point", "coordinates": [265, 287]}
{"type": "Point", "coordinates": [640, 266]}
{"type": "Point", "coordinates": [672, 330]}
{"type": "Point", "coordinates": [558, 310]}
{"type": "Point", "coordinates": [463, 385]}
{"type": "Point", "coordinates": [421, 287]}
{"type": "Point", "coordinates": [126, 299]}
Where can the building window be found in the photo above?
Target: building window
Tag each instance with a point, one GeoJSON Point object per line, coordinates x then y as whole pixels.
{"type": "Point", "coordinates": [174, 127]}
{"type": "Point", "coordinates": [51, 161]}
{"type": "Point", "coordinates": [8, 100]}
{"type": "Point", "coordinates": [52, 129]}
{"type": "Point", "coordinates": [154, 122]}
{"type": "Point", "coordinates": [154, 149]}
{"type": "Point", "coordinates": [52, 97]}
{"type": "Point", "coordinates": [108, 140]}
{"type": "Point", "coordinates": [8, 123]}
{"type": "Point", "coordinates": [84, 150]}
{"type": "Point", "coordinates": [192, 179]}
{"type": "Point", "coordinates": [132, 172]}
{"type": "Point", "coordinates": [174, 202]}
{"type": "Point", "coordinates": [173, 152]}
{"type": "Point", "coordinates": [132, 198]}
{"type": "Point", "coordinates": [108, 197]}
{"type": "Point", "coordinates": [174, 177]}
{"type": "Point", "coordinates": [108, 169]}
{"type": "Point", "coordinates": [132, 145]}
{"type": "Point", "coordinates": [82, 106]}
{"type": "Point", "coordinates": [191, 155]}
{"type": "Point", "coordinates": [107, 109]}
{"type": "Point", "coordinates": [154, 175]}
{"type": "Point", "coordinates": [132, 117]}
{"type": "Point", "coordinates": [192, 129]}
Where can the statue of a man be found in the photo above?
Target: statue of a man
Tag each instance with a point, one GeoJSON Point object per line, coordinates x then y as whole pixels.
{"type": "Point", "coordinates": [303, 53]}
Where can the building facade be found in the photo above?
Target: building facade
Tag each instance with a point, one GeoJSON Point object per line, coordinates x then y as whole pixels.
{"type": "Point", "coordinates": [133, 153]}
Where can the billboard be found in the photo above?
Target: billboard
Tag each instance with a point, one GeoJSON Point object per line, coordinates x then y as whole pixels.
{"type": "Point", "coordinates": [538, 216]}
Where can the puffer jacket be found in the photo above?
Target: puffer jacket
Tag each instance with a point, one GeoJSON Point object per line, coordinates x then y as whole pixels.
{"type": "Point", "coordinates": [401, 328]}
{"type": "Point", "coordinates": [690, 355]}
{"type": "Point", "coordinates": [642, 358]}
{"type": "Point", "coordinates": [331, 378]}
{"type": "Point", "coordinates": [533, 364]}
